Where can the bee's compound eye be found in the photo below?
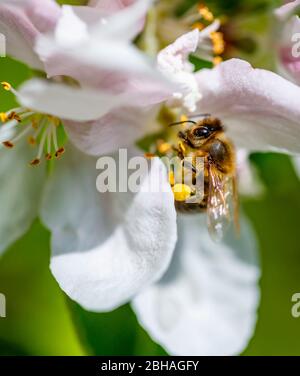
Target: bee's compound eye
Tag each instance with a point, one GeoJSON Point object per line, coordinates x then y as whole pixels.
{"type": "Point", "coordinates": [201, 132]}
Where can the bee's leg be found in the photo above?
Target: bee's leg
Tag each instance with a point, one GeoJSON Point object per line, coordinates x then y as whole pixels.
{"type": "Point", "coordinates": [189, 165]}
{"type": "Point", "coordinates": [180, 150]}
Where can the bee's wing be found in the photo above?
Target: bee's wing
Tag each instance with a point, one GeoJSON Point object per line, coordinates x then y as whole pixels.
{"type": "Point", "coordinates": [222, 205]}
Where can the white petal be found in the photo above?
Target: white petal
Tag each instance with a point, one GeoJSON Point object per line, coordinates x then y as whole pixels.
{"type": "Point", "coordinates": [70, 30]}
{"type": "Point", "coordinates": [206, 303]}
{"type": "Point", "coordinates": [96, 55]}
{"type": "Point", "coordinates": [286, 10]}
{"type": "Point", "coordinates": [296, 162]}
{"type": "Point", "coordinates": [119, 128]}
{"type": "Point", "coordinates": [260, 109]}
{"type": "Point", "coordinates": [173, 62]}
{"type": "Point", "coordinates": [106, 247]}
{"type": "Point", "coordinates": [249, 183]}
{"type": "Point", "coordinates": [20, 191]}
{"type": "Point", "coordinates": [19, 34]}
{"type": "Point", "coordinates": [67, 102]}
{"type": "Point", "coordinates": [124, 24]}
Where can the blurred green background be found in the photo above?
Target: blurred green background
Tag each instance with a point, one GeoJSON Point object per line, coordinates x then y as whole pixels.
{"type": "Point", "coordinates": [41, 320]}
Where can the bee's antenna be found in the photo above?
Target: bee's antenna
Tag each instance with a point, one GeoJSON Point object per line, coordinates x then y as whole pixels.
{"type": "Point", "coordinates": [182, 122]}
{"type": "Point", "coordinates": [200, 115]}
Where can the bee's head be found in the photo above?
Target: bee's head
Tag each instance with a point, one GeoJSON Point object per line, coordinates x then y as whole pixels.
{"type": "Point", "coordinates": [198, 133]}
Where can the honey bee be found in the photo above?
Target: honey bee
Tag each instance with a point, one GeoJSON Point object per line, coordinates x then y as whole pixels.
{"type": "Point", "coordinates": [207, 139]}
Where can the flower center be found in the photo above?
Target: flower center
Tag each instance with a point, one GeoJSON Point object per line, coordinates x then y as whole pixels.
{"type": "Point", "coordinates": [39, 129]}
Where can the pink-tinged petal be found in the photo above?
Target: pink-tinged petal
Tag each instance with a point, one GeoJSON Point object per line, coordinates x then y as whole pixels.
{"type": "Point", "coordinates": [173, 62]}
{"type": "Point", "coordinates": [126, 23]}
{"type": "Point", "coordinates": [99, 57]}
{"type": "Point", "coordinates": [287, 10]}
{"type": "Point", "coordinates": [119, 128]}
{"type": "Point", "coordinates": [261, 110]}
{"type": "Point", "coordinates": [43, 14]}
{"type": "Point", "coordinates": [289, 65]}
{"type": "Point", "coordinates": [289, 50]}
{"type": "Point", "coordinates": [20, 192]}
{"type": "Point", "coordinates": [174, 58]}
{"type": "Point", "coordinates": [109, 7]}
{"type": "Point", "coordinates": [206, 303]}
{"type": "Point", "coordinates": [21, 23]}
{"type": "Point", "coordinates": [67, 102]}
{"type": "Point", "coordinates": [106, 247]}
{"type": "Point", "coordinates": [20, 35]}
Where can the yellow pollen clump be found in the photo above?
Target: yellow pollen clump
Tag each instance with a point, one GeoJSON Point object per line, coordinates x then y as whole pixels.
{"type": "Point", "coordinates": [218, 42]}
{"type": "Point", "coordinates": [217, 60]}
{"type": "Point", "coordinates": [3, 117]}
{"type": "Point", "coordinates": [181, 192]}
{"type": "Point", "coordinates": [205, 13]}
{"type": "Point", "coordinates": [6, 86]}
{"type": "Point", "coordinates": [164, 147]}
{"type": "Point", "coordinates": [198, 25]}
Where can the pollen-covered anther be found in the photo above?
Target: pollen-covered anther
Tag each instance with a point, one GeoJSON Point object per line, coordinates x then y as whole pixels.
{"type": "Point", "coordinates": [6, 86]}
{"type": "Point", "coordinates": [34, 124]}
{"type": "Point", "coordinates": [181, 192]}
{"type": "Point", "coordinates": [164, 147]}
{"type": "Point", "coordinates": [14, 116]}
{"type": "Point", "coordinates": [35, 162]}
{"type": "Point", "coordinates": [31, 141]}
{"type": "Point", "coordinates": [3, 117]}
{"type": "Point", "coordinates": [59, 152]}
{"type": "Point", "coordinates": [48, 157]}
{"type": "Point", "coordinates": [205, 13]}
{"type": "Point", "coordinates": [198, 25]}
{"type": "Point", "coordinates": [149, 155]}
{"type": "Point", "coordinates": [218, 42]}
{"type": "Point", "coordinates": [8, 144]}
{"type": "Point", "coordinates": [217, 60]}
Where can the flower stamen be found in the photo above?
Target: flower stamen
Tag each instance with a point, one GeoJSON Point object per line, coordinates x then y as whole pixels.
{"type": "Point", "coordinates": [41, 130]}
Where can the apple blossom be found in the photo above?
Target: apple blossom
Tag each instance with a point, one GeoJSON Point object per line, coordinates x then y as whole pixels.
{"type": "Point", "coordinates": [193, 296]}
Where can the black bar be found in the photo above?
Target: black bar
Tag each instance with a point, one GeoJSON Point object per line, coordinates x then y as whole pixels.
{"type": "Point", "coordinates": [142, 365]}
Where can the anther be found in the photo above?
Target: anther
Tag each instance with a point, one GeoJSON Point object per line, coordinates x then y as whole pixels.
{"type": "Point", "coordinates": [217, 60]}
{"type": "Point", "coordinates": [205, 13]}
{"type": "Point", "coordinates": [149, 155]}
{"type": "Point", "coordinates": [3, 117]}
{"type": "Point", "coordinates": [198, 25]}
{"type": "Point", "coordinates": [48, 156]}
{"type": "Point", "coordinates": [8, 144]}
{"type": "Point", "coordinates": [14, 116]}
{"type": "Point", "coordinates": [59, 152]}
{"type": "Point", "coordinates": [6, 86]}
{"type": "Point", "coordinates": [164, 147]}
{"type": "Point", "coordinates": [31, 141]}
{"type": "Point", "coordinates": [35, 162]}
